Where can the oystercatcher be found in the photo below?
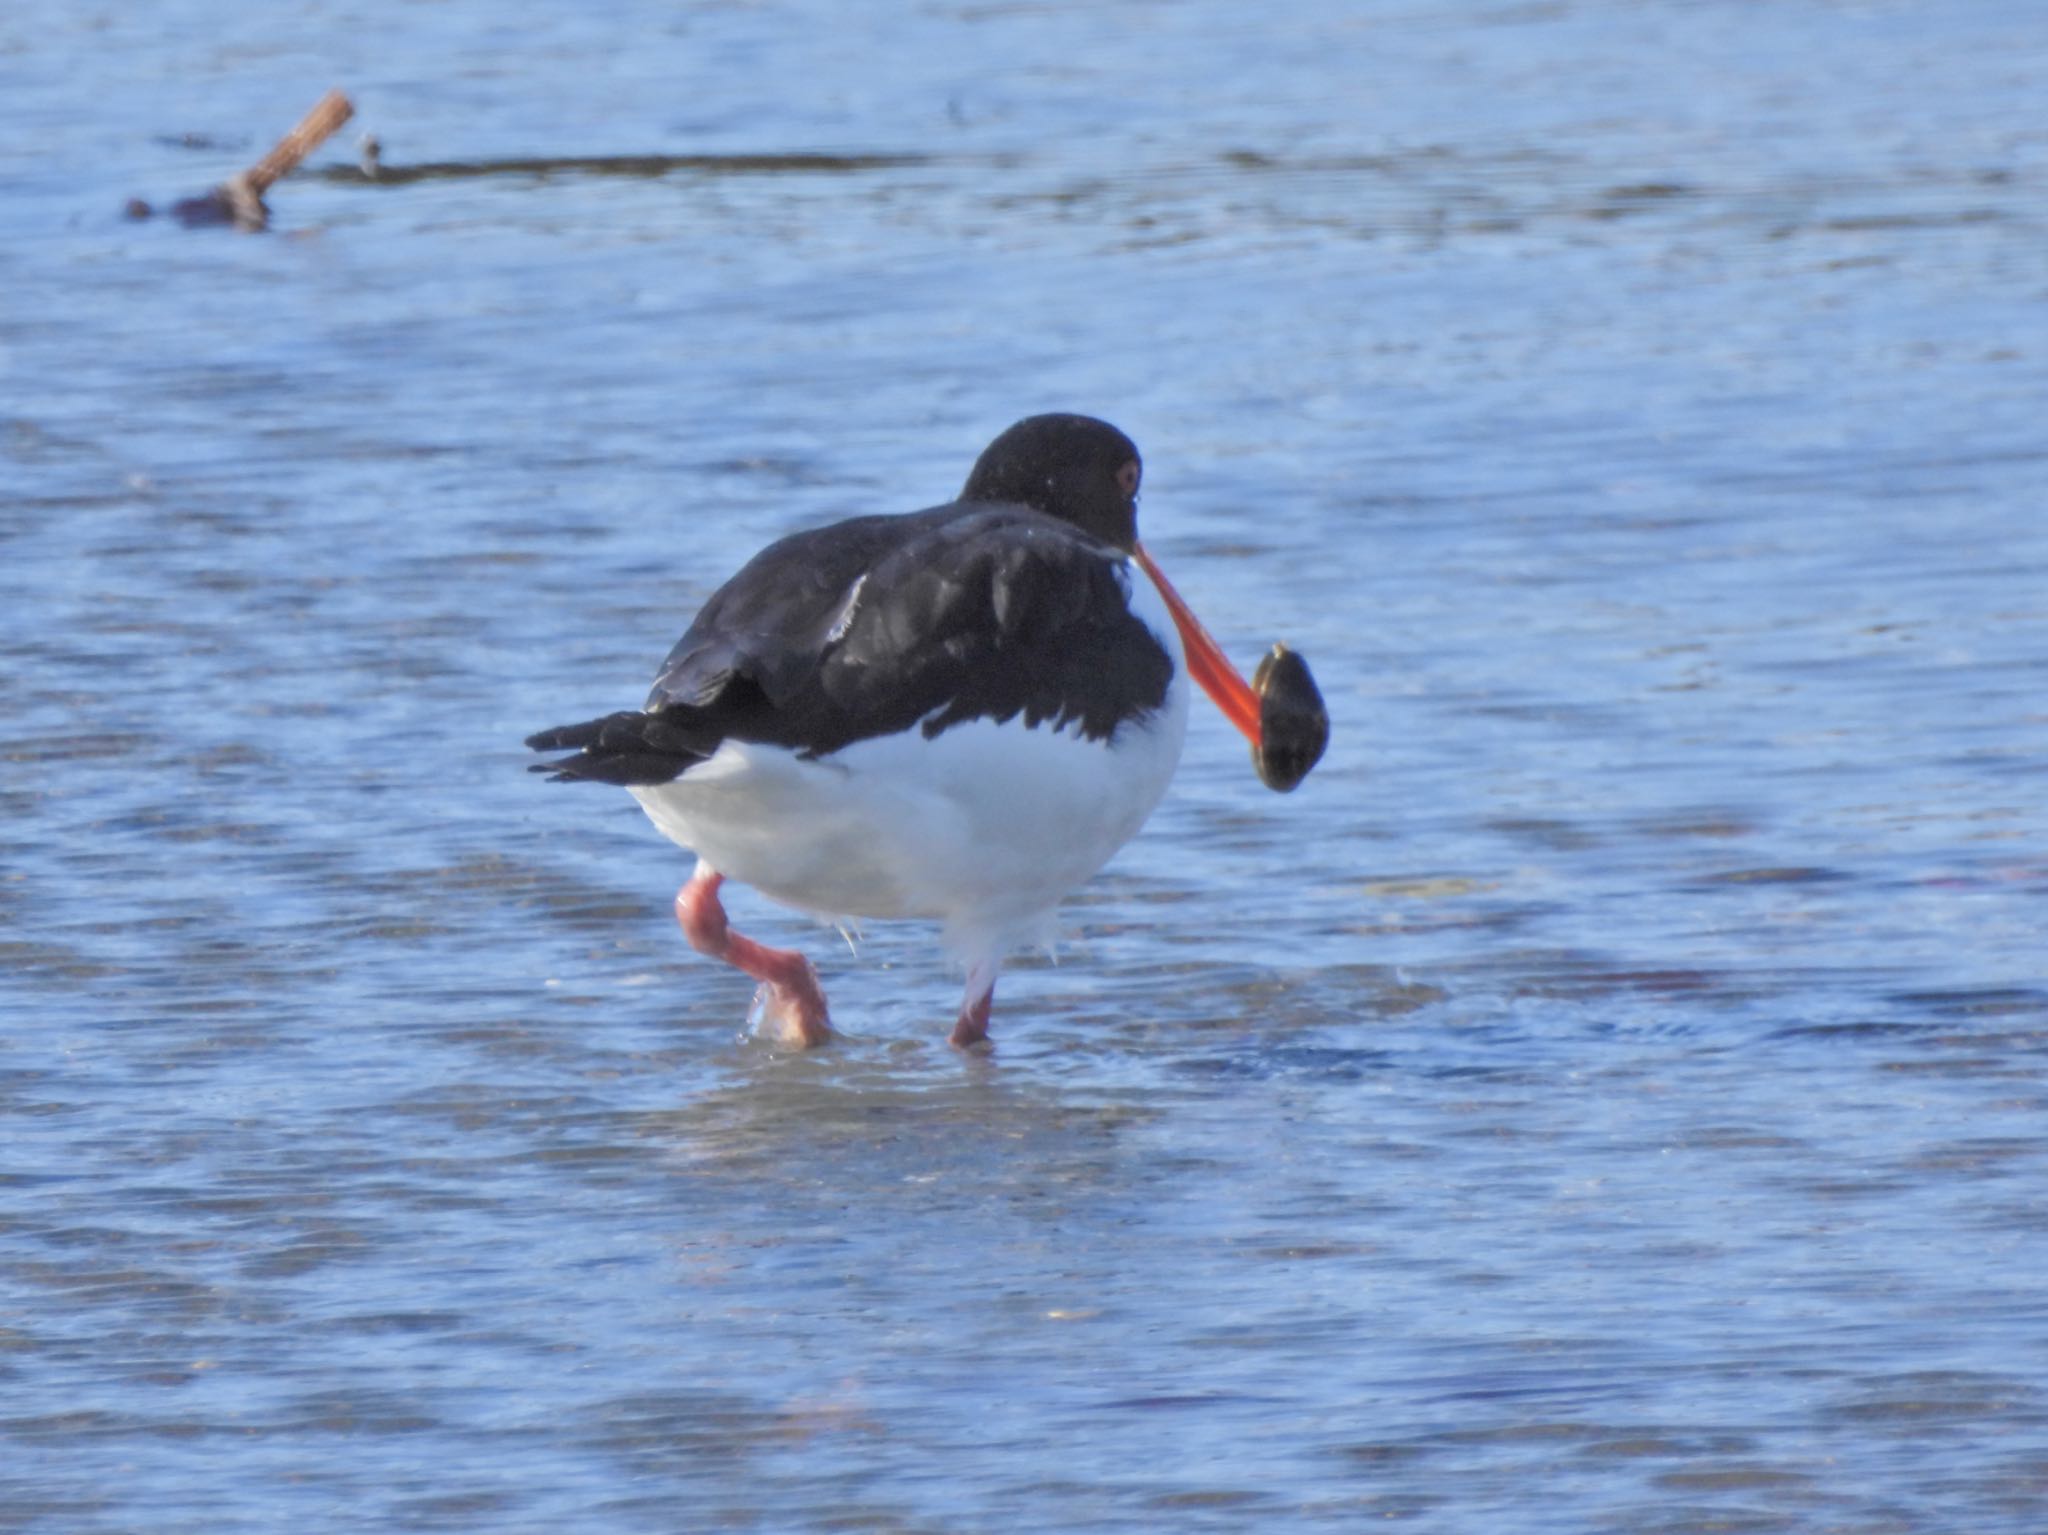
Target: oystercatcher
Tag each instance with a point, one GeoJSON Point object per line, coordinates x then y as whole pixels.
{"type": "Point", "coordinates": [956, 714]}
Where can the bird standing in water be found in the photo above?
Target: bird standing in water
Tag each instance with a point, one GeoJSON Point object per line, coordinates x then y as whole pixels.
{"type": "Point", "coordinates": [957, 714]}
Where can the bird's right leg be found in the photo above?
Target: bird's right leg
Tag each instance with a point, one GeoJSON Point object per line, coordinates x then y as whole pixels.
{"type": "Point", "coordinates": [971, 1027]}
{"type": "Point", "coordinates": [792, 1002]}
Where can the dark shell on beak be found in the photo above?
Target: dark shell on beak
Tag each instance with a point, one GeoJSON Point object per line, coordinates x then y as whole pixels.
{"type": "Point", "coordinates": [1294, 727]}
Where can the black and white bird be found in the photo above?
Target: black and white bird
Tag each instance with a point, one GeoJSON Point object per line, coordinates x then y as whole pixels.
{"type": "Point", "coordinates": [957, 714]}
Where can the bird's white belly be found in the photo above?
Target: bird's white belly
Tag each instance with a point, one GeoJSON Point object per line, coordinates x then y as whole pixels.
{"type": "Point", "coordinates": [984, 826]}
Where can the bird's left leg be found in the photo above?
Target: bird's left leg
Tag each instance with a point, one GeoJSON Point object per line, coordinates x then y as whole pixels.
{"type": "Point", "coordinates": [792, 1002]}
{"type": "Point", "coordinates": [971, 1027]}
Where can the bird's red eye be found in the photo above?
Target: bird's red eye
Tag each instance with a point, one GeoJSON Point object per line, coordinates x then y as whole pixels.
{"type": "Point", "coordinates": [1127, 478]}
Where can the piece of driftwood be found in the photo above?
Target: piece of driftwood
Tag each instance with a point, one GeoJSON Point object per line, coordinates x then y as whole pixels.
{"type": "Point", "coordinates": [238, 201]}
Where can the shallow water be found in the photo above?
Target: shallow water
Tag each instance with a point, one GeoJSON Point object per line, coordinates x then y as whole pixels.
{"type": "Point", "coordinates": [1608, 1096]}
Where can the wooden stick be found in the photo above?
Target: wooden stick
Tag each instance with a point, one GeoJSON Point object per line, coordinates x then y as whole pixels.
{"type": "Point", "coordinates": [314, 129]}
{"type": "Point", "coordinates": [239, 199]}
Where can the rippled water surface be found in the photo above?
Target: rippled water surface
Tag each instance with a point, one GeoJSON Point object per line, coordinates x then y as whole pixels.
{"type": "Point", "coordinates": [1607, 1097]}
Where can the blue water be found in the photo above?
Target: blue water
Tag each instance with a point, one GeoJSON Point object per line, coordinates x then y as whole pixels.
{"type": "Point", "coordinates": [1608, 1096]}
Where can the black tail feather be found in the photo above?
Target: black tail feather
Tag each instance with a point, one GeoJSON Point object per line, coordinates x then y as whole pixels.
{"type": "Point", "coordinates": [625, 748]}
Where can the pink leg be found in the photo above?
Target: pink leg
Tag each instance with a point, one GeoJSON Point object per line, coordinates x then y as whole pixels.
{"type": "Point", "coordinates": [971, 1027]}
{"type": "Point", "coordinates": [792, 1003]}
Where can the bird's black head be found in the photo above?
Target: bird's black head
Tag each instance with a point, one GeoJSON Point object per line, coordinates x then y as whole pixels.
{"type": "Point", "coordinates": [1078, 469]}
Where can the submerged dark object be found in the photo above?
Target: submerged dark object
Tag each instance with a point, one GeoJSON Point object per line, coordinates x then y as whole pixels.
{"type": "Point", "coordinates": [1294, 727]}
{"type": "Point", "coordinates": [237, 203]}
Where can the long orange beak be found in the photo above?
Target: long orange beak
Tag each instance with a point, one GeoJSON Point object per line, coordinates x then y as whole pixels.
{"type": "Point", "coordinates": [1207, 663]}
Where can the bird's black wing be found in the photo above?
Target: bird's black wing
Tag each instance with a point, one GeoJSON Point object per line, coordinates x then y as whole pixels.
{"type": "Point", "coordinates": [882, 624]}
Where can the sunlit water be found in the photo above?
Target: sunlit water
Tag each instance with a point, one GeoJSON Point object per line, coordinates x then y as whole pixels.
{"type": "Point", "coordinates": [1608, 1096]}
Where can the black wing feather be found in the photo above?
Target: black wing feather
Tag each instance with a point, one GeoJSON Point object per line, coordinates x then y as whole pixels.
{"type": "Point", "coordinates": [873, 626]}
